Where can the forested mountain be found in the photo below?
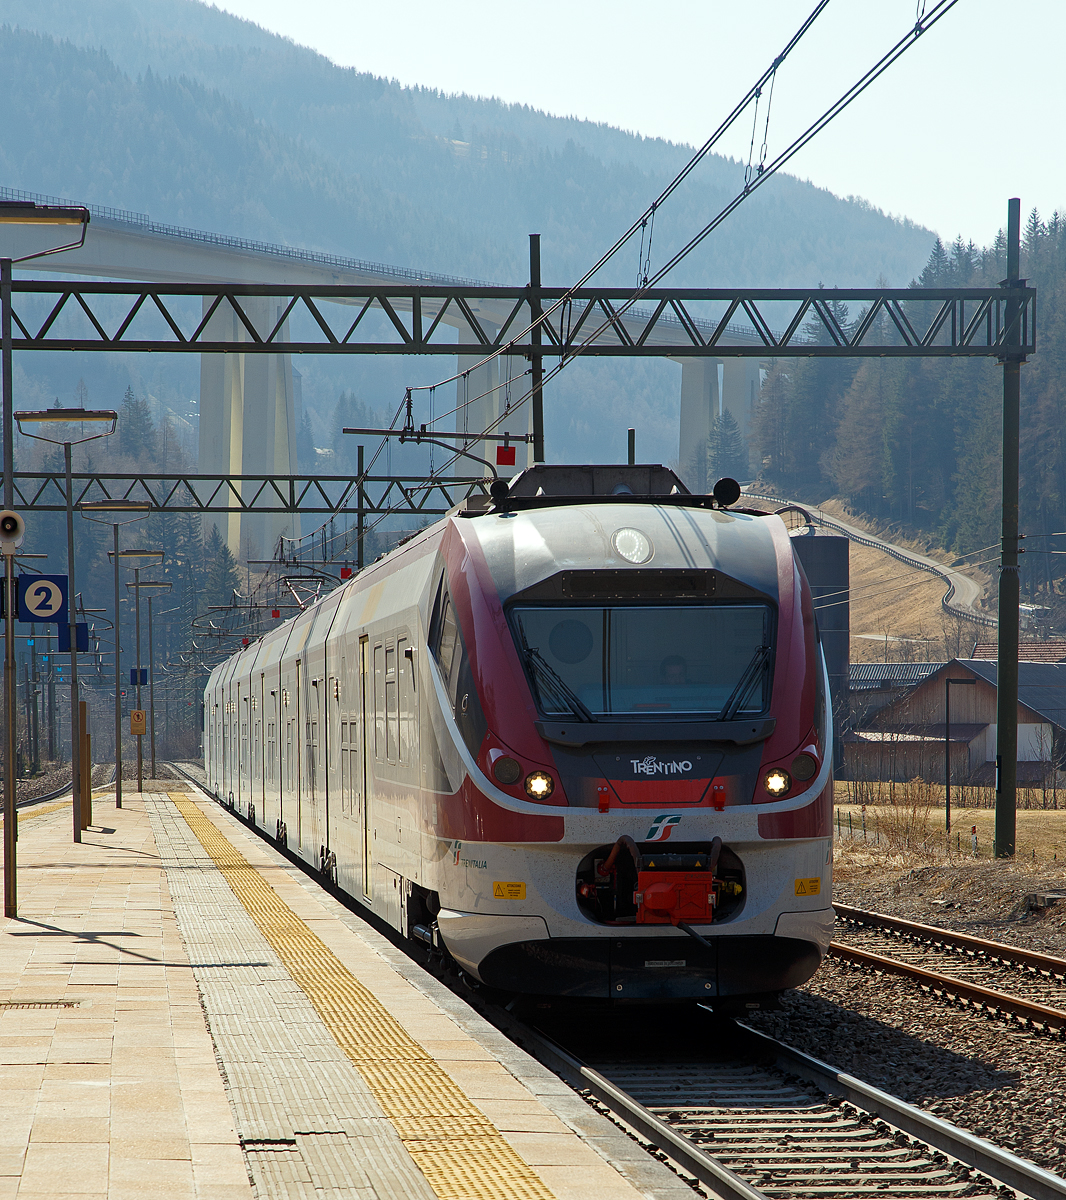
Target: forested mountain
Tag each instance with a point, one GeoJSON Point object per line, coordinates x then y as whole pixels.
{"type": "Point", "coordinates": [202, 119]}
{"type": "Point", "coordinates": [917, 442]}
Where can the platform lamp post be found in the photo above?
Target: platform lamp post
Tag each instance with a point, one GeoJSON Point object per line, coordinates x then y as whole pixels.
{"type": "Point", "coordinates": [97, 419]}
{"type": "Point", "coordinates": [138, 559]}
{"type": "Point", "coordinates": [152, 588]}
{"type": "Point", "coordinates": [38, 221]}
{"type": "Point", "coordinates": [116, 513]}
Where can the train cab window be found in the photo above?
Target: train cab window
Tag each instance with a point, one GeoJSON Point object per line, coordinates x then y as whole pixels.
{"type": "Point", "coordinates": [446, 638]}
{"type": "Point", "coordinates": [446, 644]}
{"type": "Point", "coordinates": [644, 660]}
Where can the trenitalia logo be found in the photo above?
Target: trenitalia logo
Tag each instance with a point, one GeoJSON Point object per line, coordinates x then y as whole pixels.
{"type": "Point", "coordinates": [655, 766]}
{"type": "Point", "coordinates": [662, 827]}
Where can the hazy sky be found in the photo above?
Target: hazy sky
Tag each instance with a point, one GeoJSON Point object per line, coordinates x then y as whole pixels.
{"type": "Point", "coordinates": [971, 115]}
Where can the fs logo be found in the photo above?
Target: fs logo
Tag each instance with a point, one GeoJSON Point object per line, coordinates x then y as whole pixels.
{"type": "Point", "coordinates": [662, 827]}
{"type": "Point", "coordinates": [458, 847]}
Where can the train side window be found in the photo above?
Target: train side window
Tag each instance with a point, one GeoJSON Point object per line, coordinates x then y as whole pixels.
{"type": "Point", "coordinates": [406, 699]}
{"type": "Point", "coordinates": [310, 731]}
{"type": "Point", "coordinates": [391, 706]}
{"type": "Point", "coordinates": [288, 754]}
{"type": "Point", "coordinates": [379, 702]}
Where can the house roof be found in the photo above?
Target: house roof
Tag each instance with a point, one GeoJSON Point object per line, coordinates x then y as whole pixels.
{"type": "Point", "coordinates": [1041, 685]}
{"type": "Point", "coordinates": [863, 676]}
{"type": "Point", "coordinates": [912, 734]}
{"type": "Point", "coordinates": [1052, 651]}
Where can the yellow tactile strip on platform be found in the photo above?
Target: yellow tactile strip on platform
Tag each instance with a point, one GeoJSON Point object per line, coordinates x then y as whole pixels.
{"type": "Point", "coordinates": [458, 1149]}
{"type": "Point", "coordinates": [38, 812]}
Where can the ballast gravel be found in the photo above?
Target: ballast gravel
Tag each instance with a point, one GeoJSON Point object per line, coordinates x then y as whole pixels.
{"type": "Point", "coordinates": [993, 1078]}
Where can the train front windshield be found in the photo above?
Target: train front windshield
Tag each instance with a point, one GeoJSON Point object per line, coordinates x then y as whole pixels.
{"type": "Point", "coordinates": [714, 660]}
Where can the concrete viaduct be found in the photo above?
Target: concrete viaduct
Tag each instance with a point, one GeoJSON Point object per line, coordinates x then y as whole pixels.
{"type": "Point", "coordinates": [248, 401]}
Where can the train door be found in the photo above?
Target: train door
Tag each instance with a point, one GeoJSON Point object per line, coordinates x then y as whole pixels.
{"type": "Point", "coordinates": [261, 760]}
{"type": "Point", "coordinates": [241, 745]}
{"type": "Point", "coordinates": [312, 746]}
{"type": "Point", "coordinates": [299, 763]}
{"type": "Point", "coordinates": [227, 746]}
{"type": "Point", "coordinates": [345, 748]}
{"type": "Point", "coordinates": [407, 753]}
{"type": "Point", "coordinates": [290, 760]}
{"type": "Point", "coordinates": [363, 777]}
{"type": "Point", "coordinates": [279, 733]}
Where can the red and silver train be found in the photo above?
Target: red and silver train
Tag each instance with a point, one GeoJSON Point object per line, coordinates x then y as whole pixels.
{"type": "Point", "coordinates": [576, 736]}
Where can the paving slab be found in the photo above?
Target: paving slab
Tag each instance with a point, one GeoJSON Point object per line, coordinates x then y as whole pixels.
{"type": "Point", "coordinates": [158, 1039]}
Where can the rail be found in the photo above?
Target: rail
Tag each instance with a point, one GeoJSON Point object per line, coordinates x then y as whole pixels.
{"type": "Point", "coordinates": [1012, 955]}
{"type": "Point", "coordinates": [772, 1138]}
{"type": "Point", "coordinates": [1001, 980]}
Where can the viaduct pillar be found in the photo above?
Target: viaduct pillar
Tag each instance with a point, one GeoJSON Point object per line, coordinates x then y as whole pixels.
{"type": "Point", "coordinates": [248, 422]}
{"type": "Point", "coordinates": [701, 400]}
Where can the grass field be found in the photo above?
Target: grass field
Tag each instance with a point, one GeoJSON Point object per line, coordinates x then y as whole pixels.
{"type": "Point", "coordinates": [918, 830]}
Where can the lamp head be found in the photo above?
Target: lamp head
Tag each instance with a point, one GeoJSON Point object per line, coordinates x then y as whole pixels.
{"type": "Point", "coordinates": [46, 418]}
{"type": "Point", "coordinates": [137, 559]}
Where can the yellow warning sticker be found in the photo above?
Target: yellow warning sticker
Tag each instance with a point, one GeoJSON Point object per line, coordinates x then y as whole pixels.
{"type": "Point", "coordinates": [808, 887]}
{"type": "Point", "coordinates": [508, 891]}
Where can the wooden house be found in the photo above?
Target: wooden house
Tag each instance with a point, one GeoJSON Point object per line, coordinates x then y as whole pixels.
{"type": "Point", "coordinates": [905, 739]}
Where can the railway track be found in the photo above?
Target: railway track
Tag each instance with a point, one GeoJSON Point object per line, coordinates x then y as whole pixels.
{"type": "Point", "coordinates": [1002, 980]}
{"type": "Point", "coordinates": [762, 1121]}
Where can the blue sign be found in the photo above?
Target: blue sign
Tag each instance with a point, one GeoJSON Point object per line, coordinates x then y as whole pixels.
{"type": "Point", "coordinates": [82, 635]}
{"type": "Point", "coordinates": [43, 598]}
{"type": "Point", "coordinates": [138, 675]}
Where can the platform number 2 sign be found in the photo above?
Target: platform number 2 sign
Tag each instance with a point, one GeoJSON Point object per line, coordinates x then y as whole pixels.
{"type": "Point", "coordinates": [43, 598]}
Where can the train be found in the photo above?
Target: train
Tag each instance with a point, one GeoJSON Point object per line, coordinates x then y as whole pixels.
{"type": "Point", "coordinates": [575, 737]}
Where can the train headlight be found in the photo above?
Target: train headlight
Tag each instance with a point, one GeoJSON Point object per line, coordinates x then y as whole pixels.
{"type": "Point", "coordinates": [539, 785]}
{"type": "Point", "coordinates": [632, 545]}
{"type": "Point", "coordinates": [777, 781]}
{"type": "Point", "coordinates": [506, 770]}
{"type": "Point", "coordinates": [804, 767]}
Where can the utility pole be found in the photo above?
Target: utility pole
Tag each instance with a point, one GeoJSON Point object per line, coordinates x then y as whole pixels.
{"type": "Point", "coordinates": [536, 337]}
{"type": "Point", "coordinates": [1007, 672]}
{"type": "Point", "coordinates": [51, 702]}
{"type": "Point", "coordinates": [361, 517]}
{"type": "Point", "coordinates": [35, 727]}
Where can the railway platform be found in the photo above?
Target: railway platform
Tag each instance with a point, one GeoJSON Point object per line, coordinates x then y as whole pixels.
{"type": "Point", "coordinates": [184, 1014]}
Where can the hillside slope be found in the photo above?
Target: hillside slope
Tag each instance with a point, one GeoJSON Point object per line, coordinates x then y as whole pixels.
{"type": "Point", "coordinates": [512, 171]}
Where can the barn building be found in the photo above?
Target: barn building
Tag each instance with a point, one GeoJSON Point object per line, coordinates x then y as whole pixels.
{"type": "Point", "coordinates": [903, 737]}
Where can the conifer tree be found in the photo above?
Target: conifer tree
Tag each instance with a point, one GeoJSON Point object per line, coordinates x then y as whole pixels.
{"type": "Point", "coordinates": [136, 431]}
{"type": "Point", "coordinates": [726, 454]}
{"type": "Point", "coordinates": [223, 578]}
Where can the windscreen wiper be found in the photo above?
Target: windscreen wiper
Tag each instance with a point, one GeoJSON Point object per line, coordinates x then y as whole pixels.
{"type": "Point", "coordinates": [760, 660]}
{"type": "Point", "coordinates": [558, 688]}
